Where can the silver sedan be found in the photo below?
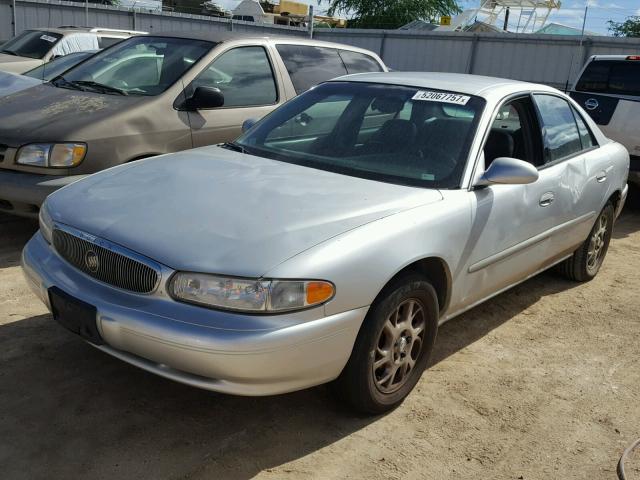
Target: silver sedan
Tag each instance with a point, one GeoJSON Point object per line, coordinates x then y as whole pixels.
{"type": "Point", "coordinates": [330, 240]}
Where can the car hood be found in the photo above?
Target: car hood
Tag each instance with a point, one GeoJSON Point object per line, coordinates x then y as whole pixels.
{"type": "Point", "coordinates": [16, 64]}
{"type": "Point", "coordinates": [47, 113]}
{"type": "Point", "coordinates": [218, 211]}
{"type": "Point", "coordinates": [12, 82]}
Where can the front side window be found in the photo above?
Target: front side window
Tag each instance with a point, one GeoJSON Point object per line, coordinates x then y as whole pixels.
{"type": "Point", "coordinates": [31, 43]}
{"type": "Point", "coordinates": [142, 65]}
{"type": "Point", "coordinates": [309, 65]}
{"type": "Point", "coordinates": [357, 62]}
{"type": "Point", "coordinates": [560, 132]}
{"type": "Point", "coordinates": [243, 75]}
{"type": "Point", "coordinates": [387, 133]}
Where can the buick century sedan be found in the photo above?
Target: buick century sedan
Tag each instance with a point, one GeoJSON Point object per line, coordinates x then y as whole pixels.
{"type": "Point", "coordinates": [332, 238]}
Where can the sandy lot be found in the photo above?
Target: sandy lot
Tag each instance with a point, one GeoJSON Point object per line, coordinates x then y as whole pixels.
{"type": "Point", "coordinates": [542, 382]}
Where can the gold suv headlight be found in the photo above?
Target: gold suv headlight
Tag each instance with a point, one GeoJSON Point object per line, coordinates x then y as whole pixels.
{"type": "Point", "coordinates": [52, 155]}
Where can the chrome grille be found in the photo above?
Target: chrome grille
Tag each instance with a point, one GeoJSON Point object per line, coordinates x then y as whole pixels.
{"type": "Point", "coordinates": [105, 264]}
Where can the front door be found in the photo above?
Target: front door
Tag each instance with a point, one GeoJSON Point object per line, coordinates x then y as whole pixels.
{"type": "Point", "coordinates": [513, 230]}
{"type": "Point", "coordinates": [246, 77]}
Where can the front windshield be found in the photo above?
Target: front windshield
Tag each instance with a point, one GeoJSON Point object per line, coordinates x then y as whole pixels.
{"type": "Point", "coordinates": [396, 134]}
{"type": "Point", "coordinates": [141, 65]}
{"type": "Point", "coordinates": [52, 69]}
{"type": "Point", "coordinates": [31, 43]}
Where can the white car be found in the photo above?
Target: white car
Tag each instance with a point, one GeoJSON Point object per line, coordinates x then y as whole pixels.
{"type": "Point", "coordinates": [608, 88]}
{"type": "Point", "coordinates": [332, 239]}
{"type": "Point", "coordinates": [32, 48]}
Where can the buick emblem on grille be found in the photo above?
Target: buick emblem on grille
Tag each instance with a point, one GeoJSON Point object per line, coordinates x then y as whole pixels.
{"type": "Point", "coordinates": [591, 104]}
{"type": "Point", "coordinates": [91, 261]}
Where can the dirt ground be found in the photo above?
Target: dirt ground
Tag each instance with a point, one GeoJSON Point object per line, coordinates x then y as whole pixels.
{"type": "Point", "coordinates": [541, 382]}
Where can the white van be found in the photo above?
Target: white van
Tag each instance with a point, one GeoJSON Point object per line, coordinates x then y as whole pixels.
{"type": "Point", "coordinates": [608, 88]}
{"type": "Point", "coordinates": [35, 47]}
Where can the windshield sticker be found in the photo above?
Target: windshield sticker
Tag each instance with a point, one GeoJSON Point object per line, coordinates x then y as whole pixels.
{"type": "Point", "coordinates": [48, 38]}
{"type": "Point", "coordinates": [428, 176]}
{"type": "Point", "coordinates": [443, 97]}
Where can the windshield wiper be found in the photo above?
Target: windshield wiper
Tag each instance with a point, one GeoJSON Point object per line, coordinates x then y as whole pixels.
{"type": "Point", "coordinates": [99, 86]}
{"type": "Point", "coordinates": [233, 146]}
{"type": "Point", "coordinates": [10, 52]}
{"type": "Point", "coordinates": [64, 83]}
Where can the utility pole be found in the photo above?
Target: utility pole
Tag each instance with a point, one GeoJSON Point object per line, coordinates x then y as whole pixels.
{"type": "Point", "coordinates": [310, 21]}
{"type": "Point", "coordinates": [86, 13]}
{"type": "Point", "coordinates": [506, 20]}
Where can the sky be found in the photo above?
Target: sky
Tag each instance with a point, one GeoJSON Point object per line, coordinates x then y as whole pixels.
{"type": "Point", "coordinates": [571, 12]}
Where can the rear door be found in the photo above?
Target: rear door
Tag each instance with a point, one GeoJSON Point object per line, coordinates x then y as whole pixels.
{"type": "Point", "coordinates": [609, 90]}
{"type": "Point", "coordinates": [574, 161]}
{"type": "Point", "coordinates": [248, 80]}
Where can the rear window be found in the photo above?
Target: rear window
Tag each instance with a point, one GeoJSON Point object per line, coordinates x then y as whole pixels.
{"type": "Point", "coordinates": [615, 77]}
{"type": "Point", "coordinates": [31, 43]}
{"type": "Point", "coordinates": [357, 62]}
{"type": "Point", "coordinates": [309, 65]}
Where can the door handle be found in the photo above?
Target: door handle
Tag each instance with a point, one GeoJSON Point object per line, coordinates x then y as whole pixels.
{"type": "Point", "coordinates": [547, 199]}
{"type": "Point", "coordinates": [601, 177]}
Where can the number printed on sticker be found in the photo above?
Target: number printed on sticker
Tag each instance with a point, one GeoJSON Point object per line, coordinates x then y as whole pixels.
{"type": "Point", "coordinates": [443, 97]}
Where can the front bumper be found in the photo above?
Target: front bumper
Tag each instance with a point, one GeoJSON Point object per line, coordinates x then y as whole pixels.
{"type": "Point", "coordinates": [23, 193]}
{"type": "Point", "coordinates": [196, 346]}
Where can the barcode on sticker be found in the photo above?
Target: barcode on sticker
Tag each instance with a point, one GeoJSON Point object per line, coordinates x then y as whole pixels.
{"type": "Point", "coordinates": [48, 38]}
{"type": "Point", "coordinates": [443, 97]}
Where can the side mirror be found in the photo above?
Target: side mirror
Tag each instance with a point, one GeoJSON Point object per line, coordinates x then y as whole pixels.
{"type": "Point", "coordinates": [509, 171]}
{"type": "Point", "coordinates": [204, 98]}
{"type": "Point", "coordinates": [248, 124]}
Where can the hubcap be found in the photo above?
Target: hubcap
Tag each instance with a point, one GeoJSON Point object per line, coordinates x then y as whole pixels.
{"type": "Point", "coordinates": [597, 244]}
{"type": "Point", "coordinates": [399, 346]}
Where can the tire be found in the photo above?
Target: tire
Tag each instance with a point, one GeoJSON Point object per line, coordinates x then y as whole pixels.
{"type": "Point", "coordinates": [407, 345]}
{"type": "Point", "coordinates": [582, 266]}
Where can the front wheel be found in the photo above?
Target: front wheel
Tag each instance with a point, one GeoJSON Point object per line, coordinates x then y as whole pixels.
{"type": "Point", "coordinates": [585, 262]}
{"type": "Point", "coordinates": [393, 346]}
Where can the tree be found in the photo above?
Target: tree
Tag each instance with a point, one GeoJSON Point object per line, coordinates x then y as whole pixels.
{"type": "Point", "coordinates": [629, 28]}
{"type": "Point", "coordinates": [392, 13]}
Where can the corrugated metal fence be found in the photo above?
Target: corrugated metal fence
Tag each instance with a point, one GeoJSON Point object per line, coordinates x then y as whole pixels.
{"type": "Point", "coordinates": [550, 59]}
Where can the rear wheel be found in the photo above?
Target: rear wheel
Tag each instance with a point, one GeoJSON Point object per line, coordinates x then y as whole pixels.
{"type": "Point", "coordinates": [585, 262]}
{"type": "Point", "coordinates": [392, 348]}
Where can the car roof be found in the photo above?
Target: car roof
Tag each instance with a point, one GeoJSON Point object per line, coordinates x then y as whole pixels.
{"type": "Point", "coordinates": [66, 29]}
{"type": "Point", "coordinates": [227, 36]}
{"type": "Point", "coordinates": [453, 82]}
{"type": "Point", "coordinates": [615, 57]}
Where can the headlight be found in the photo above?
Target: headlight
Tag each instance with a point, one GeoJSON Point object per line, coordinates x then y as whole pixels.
{"type": "Point", "coordinates": [53, 155]}
{"type": "Point", "coordinates": [46, 223]}
{"type": "Point", "coordinates": [248, 295]}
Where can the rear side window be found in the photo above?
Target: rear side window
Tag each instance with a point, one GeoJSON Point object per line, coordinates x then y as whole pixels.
{"type": "Point", "coordinates": [614, 77]}
{"type": "Point", "coordinates": [586, 137]}
{"type": "Point", "coordinates": [309, 65]}
{"type": "Point", "coordinates": [560, 131]}
{"type": "Point", "coordinates": [104, 42]}
{"type": "Point", "coordinates": [357, 62]}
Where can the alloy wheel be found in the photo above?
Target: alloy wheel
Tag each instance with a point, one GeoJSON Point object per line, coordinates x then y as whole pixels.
{"type": "Point", "coordinates": [399, 345]}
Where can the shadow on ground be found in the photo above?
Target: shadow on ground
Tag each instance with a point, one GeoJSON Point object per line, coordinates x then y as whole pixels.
{"type": "Point", "coordinates": [68, 410]}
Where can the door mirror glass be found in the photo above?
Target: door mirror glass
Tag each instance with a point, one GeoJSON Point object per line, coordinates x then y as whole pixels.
{"type": "Point", "coordinates": [509, 171]}
{"type": "Point", "coordinates": [248, 123]}
{"type": "Point", "coordinates": [204, 98]}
